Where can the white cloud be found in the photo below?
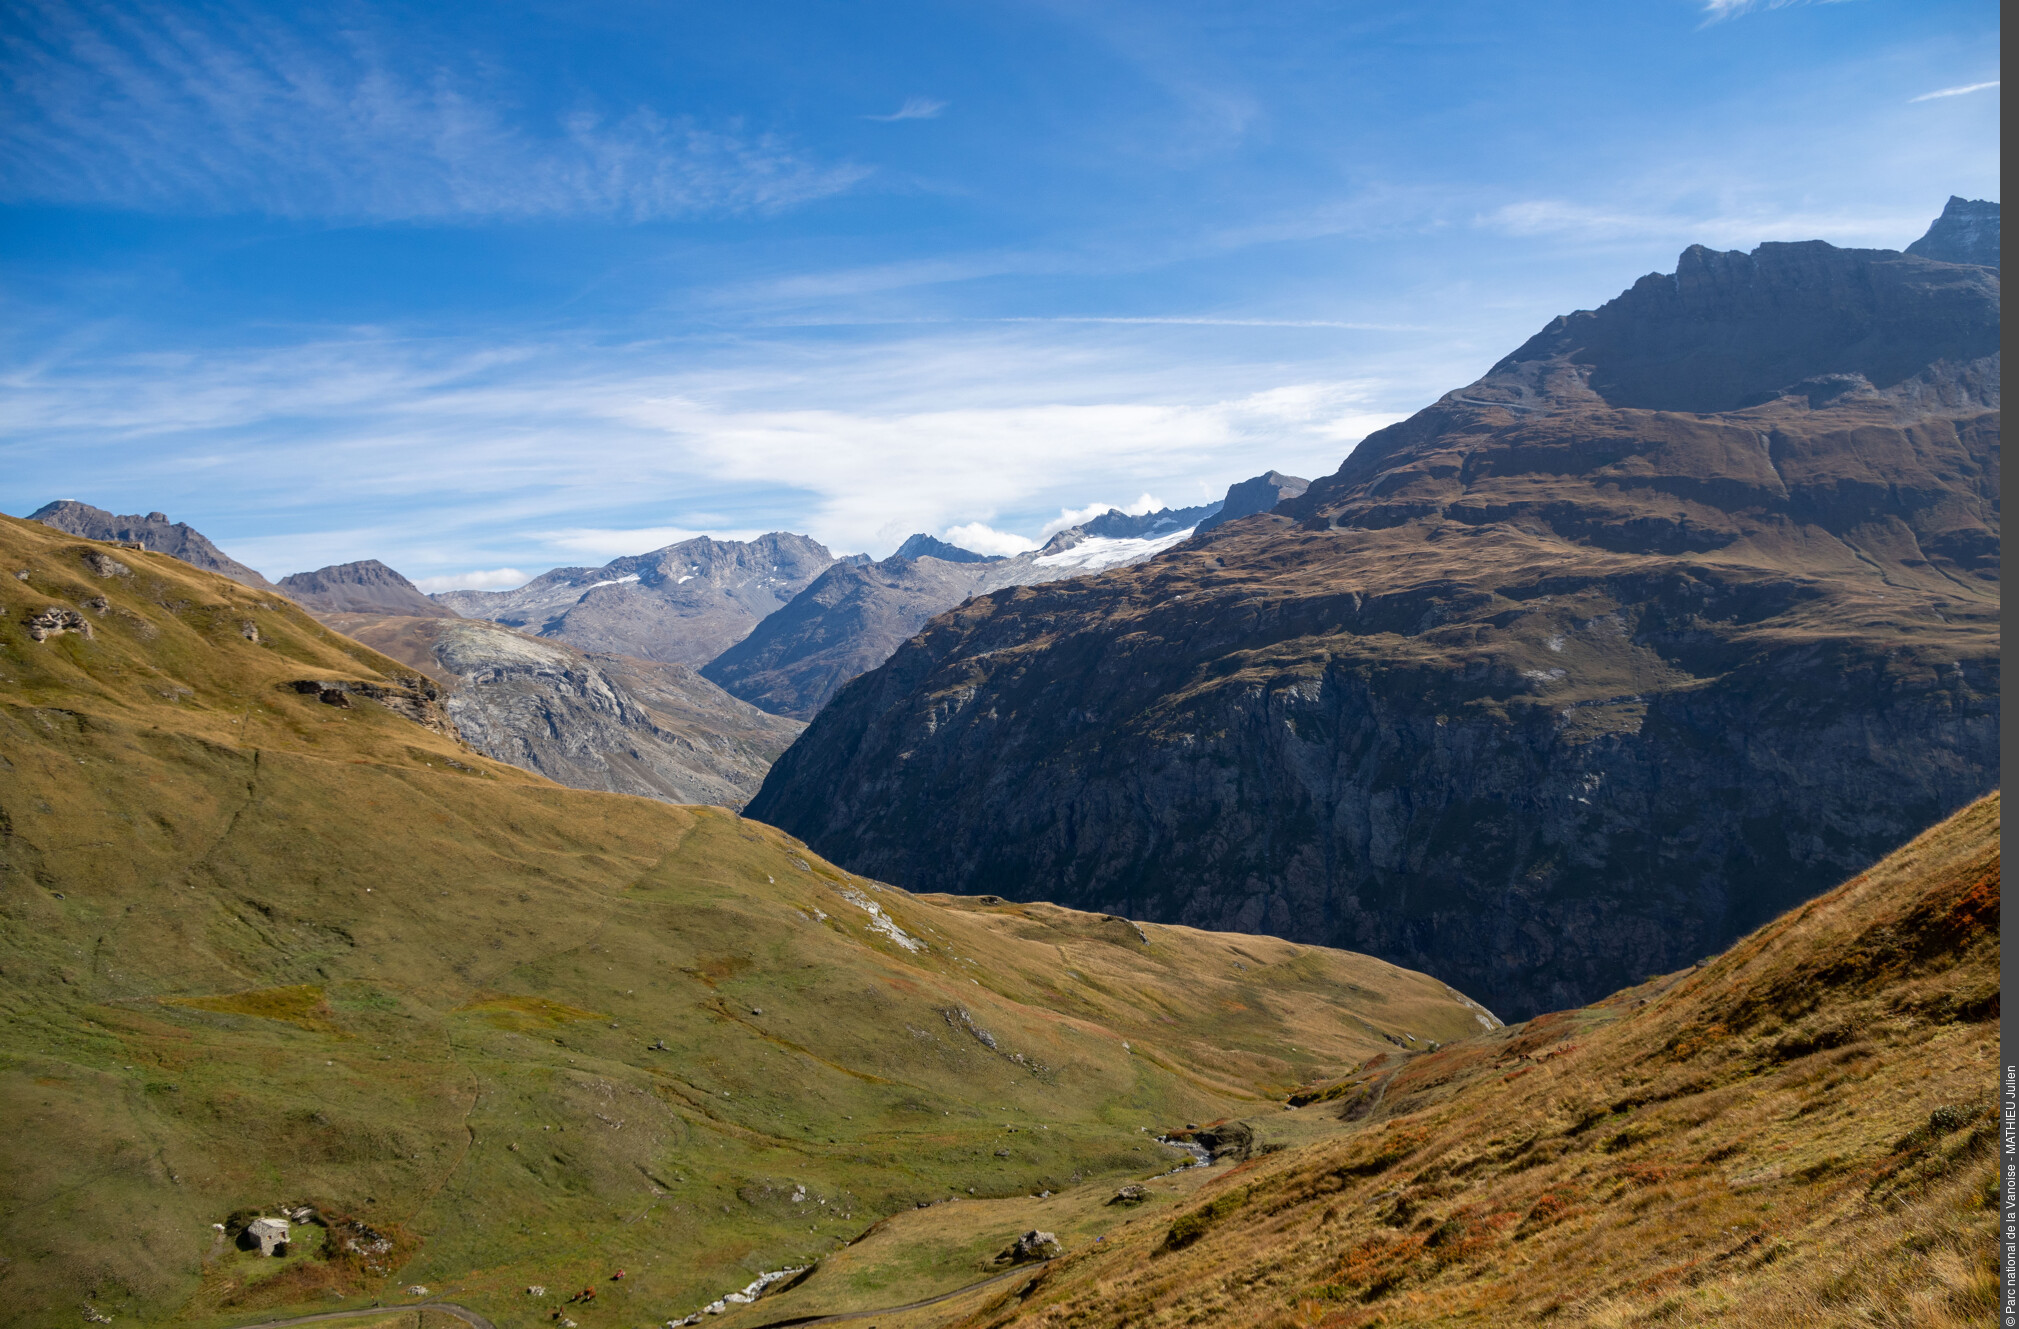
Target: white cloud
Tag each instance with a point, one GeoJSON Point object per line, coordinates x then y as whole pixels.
{"type": "Point", "coordinates": [494, 579]}
{"type": "Point", "coordinates": [441, 456]}
{"type": "Point", "coordinates": [188, 109]}
{"type": "Point", "coordinates": [982, 538]}
{"type": "Point", "coordinates": [1953, 92]}
{"type": "Point", "coordinates": [1716, 10]}
{"type": "Point", "coordinates": [914, 108]}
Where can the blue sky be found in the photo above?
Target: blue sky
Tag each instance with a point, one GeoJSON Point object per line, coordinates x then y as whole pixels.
{"type": "Point", "coordinates": [478, 289]}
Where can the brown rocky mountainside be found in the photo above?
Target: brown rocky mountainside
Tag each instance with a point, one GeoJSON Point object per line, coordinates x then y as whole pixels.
{"type": "Point", "coordinates": [685, 604]}
{"type": "Point", "coordinates": [368, 587]}
{"type": "Point", "coordinates": [154, 531]}
{"type": "Point", "coordinates": [1683, 613]}
{"type": "Point", "coordinates": [582, 719]}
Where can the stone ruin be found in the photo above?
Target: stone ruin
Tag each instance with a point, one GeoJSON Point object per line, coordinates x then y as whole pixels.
{"type": "Point", "coordinates": [267, 1235]}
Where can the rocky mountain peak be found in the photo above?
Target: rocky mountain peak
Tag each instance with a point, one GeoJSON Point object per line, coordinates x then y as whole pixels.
{"type": "Point", "coordinates": [685, 603]}
{"type": "Point", "coordinates": [1728, 330]}
{"type": "Point", "coordinates": [1251, 496]}
{"type": "Point", "coordinates": [1966, 232]}
{"type": "Point", "coordinates": [1114, 524]}
{"type": "Point", "coordinates": [154, 531]}
{"type": "Point", "coordinates": [925, 546]}
{"type": "Point", "coordinates": [364, 587]}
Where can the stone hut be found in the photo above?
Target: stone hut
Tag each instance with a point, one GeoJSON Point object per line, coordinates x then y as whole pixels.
{"type": "Point", "coordinates": [268, 1235]}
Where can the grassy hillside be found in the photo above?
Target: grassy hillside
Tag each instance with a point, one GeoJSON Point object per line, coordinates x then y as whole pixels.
{"type": "Point", "coordinates": [1796, 1133]}
{"type": "Point", "coordinates": [266, 947]}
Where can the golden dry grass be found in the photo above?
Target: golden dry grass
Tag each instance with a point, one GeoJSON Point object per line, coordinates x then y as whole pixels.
{"type": "Point", "coordinates": [1797, 1134]}
{"type": "Point", "coordinates": [258, 949]}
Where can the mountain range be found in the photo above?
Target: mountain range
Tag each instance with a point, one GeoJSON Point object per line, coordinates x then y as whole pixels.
{"type": "Point", "coordinates": [851, 618]}
{"type": "Point", "coordinates": [1684, 611]}
{"type": "Point", "coordinates": [1666, 651]}
{"type": "Point", "coordinates": [777, 622]}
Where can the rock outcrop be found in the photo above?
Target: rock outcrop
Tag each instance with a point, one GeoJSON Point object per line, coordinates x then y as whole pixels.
{"type": "Point", "coordinates": [369, 587]}
{"type": "Point", "coordinates": [1033, 1247]}
{"type": "Point", "coordinates": [590, 720]}
{"type": "Point", "coordinates": [1682, 614]}
{"type": "Point", "coordinates": [684, 604]}
{"type": "Point", "coordinates": [153, 531]}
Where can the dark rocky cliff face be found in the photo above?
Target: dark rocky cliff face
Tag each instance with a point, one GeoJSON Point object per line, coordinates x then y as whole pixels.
{"type": "Point", "coordinates": [1572, 677]}
{"type": "Point", "coordinates": [1966, 232]}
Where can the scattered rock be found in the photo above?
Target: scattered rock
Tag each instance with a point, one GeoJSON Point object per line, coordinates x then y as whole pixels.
{"type": "Point", "coordinates": [105, 565]}
{"type": "Point", "coordinates": [1032, 1248]}
{"type": "Point", "coordinates": [1131, 1194]}
{"type": "Point", "coordinates": [55, 621]}
{"type": "Point", "coordinates": [248, 630]}
{"type": "Point", "coordinates": [417, 699]}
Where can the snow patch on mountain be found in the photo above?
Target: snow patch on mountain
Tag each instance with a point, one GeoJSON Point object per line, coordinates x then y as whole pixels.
{"type": "Point", "coordinates": [1094, 553]}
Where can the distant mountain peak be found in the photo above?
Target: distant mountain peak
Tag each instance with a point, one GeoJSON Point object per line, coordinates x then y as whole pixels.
{"type": "Point", "coordinates": [155, 531]}
{"type": "Point", "coordinates": [685, 603]}
{"type": "Point", "coordinates": [1966, 232]}
{"type": "Point", "coordinates": [1258, 494]}
{"type": "Point", "coordinates": [925, 546]}
{"type": "Point", "coordinates": [1114, 524]}
{"type": "Point", "coordinates": [365, 587]}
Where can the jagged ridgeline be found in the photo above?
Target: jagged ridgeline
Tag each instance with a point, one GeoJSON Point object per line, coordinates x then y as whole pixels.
{"type": "Point", "coordinates": [273, 943]}
{"type": "Point", "coordinates": [1684, 612]}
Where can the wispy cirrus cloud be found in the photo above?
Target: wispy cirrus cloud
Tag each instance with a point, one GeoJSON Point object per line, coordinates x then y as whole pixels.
{"type": "Point", "coordinates": [1737, 226]}
{"type": "Point", "coordinates": [1210, 321]}
{"type": "Point", "coordinates": [914, 108]}
{"type": "Point", "coordinates": [1964, 90]}
{"type": "Point", "coordinates": [207, 110]}
{"type": "Point", "coordinates": [440, 458]}
{"type": "Point", "coordinates": [1717, 10]}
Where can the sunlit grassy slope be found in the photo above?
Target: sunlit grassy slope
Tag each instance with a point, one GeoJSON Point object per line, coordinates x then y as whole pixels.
{"type": "Point", "coordinates": [1798, 1133]}
{"type": "Point", "coordinates": [258, 949]}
